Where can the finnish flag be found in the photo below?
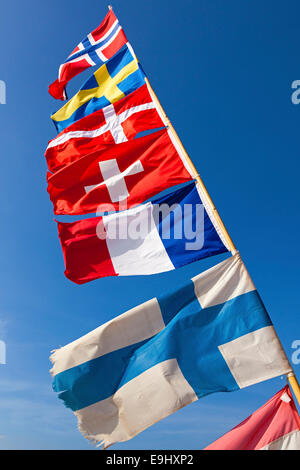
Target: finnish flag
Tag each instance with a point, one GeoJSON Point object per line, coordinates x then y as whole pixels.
{"type": "Point", "coordinates": [211, 334]}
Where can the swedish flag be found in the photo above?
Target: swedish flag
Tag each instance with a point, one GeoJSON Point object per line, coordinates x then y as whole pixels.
{"type": "Point", "coordinates": [117, 78]}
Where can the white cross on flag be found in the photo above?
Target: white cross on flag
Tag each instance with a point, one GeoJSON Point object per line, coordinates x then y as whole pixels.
{"type": "Point", "coordinates": [117, 177]}
{"type": "Point", "coordinates": [113, 124]}
{"type": "Point", "coordinates": [114, 179]}
{"type": "Point", "coordinates": [96, 48]}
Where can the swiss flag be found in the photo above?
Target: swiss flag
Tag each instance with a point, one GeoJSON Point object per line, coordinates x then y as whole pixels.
{"type": "Point", "coordinates": [115, 123]}
{"type": "Point", "coordinates": [274, 426]}
{"type": "Point", "coordinates": [119, 176]}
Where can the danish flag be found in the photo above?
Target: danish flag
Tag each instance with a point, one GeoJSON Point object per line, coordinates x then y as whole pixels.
{"type": "Point", "coordinates": [99, 46]}
{"type": "Point", "coordinates": [115, 123]}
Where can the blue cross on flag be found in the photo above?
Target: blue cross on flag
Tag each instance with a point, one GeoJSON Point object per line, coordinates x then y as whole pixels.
{"type": "Point", "coordinates": [211, 334]}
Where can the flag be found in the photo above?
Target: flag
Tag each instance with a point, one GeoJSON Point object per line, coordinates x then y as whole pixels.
{"type": "Point", "coordinates": [158, 236]}
{"type": "Point", "coordinates": [274, 426]}
{"type": "Point", "coordinates": [119, 176]}
{"type": "Point", "coordinates": [119, 77]}
{"type": "Point", "coordinates": [114, 123]}
{"type": "Point", "coordinates": [211, 334]}
{"type": "Point", "coordinates": [98, 46]}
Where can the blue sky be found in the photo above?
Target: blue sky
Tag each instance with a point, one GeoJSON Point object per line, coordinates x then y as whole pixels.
{"type": "Point", "coordinates": [223, 72]}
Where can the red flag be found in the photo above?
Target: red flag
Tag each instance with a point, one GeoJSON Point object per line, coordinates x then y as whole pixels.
{"type": "Point", "coordinates": [115, 123]}
{"type": "Point", "coordinates": [274, 426]}
{"type": "Point", "coordinates": [86, 255]}
{"type": "Point", "coordinates": [118, 176]}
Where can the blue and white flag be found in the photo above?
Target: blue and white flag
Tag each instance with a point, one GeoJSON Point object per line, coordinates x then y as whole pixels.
{"type": "Point", "coordinates": [210, 335]}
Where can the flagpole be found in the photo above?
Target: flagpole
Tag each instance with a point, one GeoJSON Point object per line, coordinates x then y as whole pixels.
{"type": "Point", "coordinates": [291, 375]}
{"type": "Point", "coordinates": [169, 125]}
{"type": "Point", "coordinates": [216, 215]}
{"type": "Point", "coordinates": [292, 379]}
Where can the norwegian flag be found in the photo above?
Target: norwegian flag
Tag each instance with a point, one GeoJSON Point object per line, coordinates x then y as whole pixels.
{"type": "Point", "coordinates": [98, 47]}
{"type": "Point", "coordinates": [115, 123]}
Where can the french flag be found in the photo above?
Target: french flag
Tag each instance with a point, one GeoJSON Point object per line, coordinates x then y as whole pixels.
{"type": "Point", "coordinates": [274, 426]}
{"type": "Point", "coordinates": [154, 237]}
{"type": "Point", "coordinates": [99, 46]}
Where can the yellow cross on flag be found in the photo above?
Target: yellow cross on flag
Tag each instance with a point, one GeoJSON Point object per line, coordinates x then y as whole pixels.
{"type": "Point", "coordinates": [117, 78]}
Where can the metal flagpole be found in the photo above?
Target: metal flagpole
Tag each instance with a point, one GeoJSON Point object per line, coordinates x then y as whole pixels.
{"type": "Point", "coordinates": [291, 375]}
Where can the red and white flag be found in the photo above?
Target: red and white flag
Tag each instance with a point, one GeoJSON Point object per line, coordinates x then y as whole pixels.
{"type": "Point", "coordinates": [115, 123]}
{"type": "Point", "coordinates": [274, 426]}
{"type": "Point", "coordinates": [119, 176]}
{"type": "Point", "coordinates": [95, 49]}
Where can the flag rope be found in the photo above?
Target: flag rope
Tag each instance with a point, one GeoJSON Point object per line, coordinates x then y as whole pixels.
{"type": "Point", "coordinates": [291, 377]}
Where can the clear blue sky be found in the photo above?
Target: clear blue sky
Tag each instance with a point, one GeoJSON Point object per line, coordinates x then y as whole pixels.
{"type": "Point", "coordinates": [223, 72]}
